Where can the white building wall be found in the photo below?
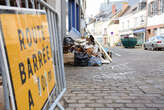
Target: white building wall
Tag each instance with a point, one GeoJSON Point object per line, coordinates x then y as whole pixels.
{"type": "Point", "coordinates": [90, 28]}
{"type": "Point", "coordinates": [126, 23]}
{"type": "Point", "coordinates": [99, 28]}
{"type": "Point", "coordinates": [132, 21]}
{"type": "Point", "coordinates": [113, 38]}
{"type": "Point", "coordinates": [155, 20]}
{"type": "Point", "coordinates": [148, 1]}
{"type": "Point", "coordinates": [139, 19]}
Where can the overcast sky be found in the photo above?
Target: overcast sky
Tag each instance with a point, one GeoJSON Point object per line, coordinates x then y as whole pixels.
{"type": "Point", "coordinates": [94, 5]}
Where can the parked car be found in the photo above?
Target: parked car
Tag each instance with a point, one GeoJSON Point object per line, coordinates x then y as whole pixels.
{"type": "Point", "coordinates": [154, 43]}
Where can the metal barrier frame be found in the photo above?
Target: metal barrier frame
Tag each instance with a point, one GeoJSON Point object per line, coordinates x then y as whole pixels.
{"type": "Point", "coordinates": [57, 52]}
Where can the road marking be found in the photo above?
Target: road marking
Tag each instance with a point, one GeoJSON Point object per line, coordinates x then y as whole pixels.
{"type": "Point", "coordinates": [116, 53]}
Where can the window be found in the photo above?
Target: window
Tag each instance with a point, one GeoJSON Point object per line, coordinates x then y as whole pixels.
{"type": "Point", "coordinates": [155, 31]}
{"type": "Point", "coordinates": [135, 9]}
{"type": "Point", "coordinates": [159, 6]}
{"type": "Point", "coordinates": [73, 13]}
{"type": "Point", "coordinates": [149, 9]}
{"type": "Point", "coordinates": [142, 20]}
{"type": "Point", "coordinates": [154, 8]}
{"type": "Point", "coordinates": [162, 5]}
{"type": "Point", "coordinates": [162, 31]}
{"type": "Point", "coordinates": [160, 37]}
{"type": "Point", "coordinates": [142, 5]}
{"type": "Point", "coordinates": [77, 17]}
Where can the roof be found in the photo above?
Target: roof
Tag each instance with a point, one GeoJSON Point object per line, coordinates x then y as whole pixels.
{"type": "Point", "coordinates": [119, 14]}
{"type": "Point", "coordinates": [135, 8]}
{"type": "Point", "coordinates": [104, 15]}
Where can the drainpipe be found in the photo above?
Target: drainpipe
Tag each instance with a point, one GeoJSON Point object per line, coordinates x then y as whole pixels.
{"type": "Point", "coordinates": [146, 20]}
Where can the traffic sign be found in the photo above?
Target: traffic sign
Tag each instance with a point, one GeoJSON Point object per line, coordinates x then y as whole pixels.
{"type": "Point", "coordinates": [26, 43]}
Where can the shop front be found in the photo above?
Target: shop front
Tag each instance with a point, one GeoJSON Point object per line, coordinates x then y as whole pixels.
{"type": "Point", "coordinates": [140, 35]}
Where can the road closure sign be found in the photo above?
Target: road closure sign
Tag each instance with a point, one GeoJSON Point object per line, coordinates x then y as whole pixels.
{"type": "Point", "coordinates": [25, 40]}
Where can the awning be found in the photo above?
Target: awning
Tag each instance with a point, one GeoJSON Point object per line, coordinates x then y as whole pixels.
{"type": "Point", "coordinates": [139, 31]}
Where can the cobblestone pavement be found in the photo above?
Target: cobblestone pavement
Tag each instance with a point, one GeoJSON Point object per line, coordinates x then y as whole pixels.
{"type": "Point", "coordinates": [133, 81]}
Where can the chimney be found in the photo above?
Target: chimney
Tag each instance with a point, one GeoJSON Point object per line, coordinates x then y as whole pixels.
{"type": "Point", "coordinates": [125, 5]}
{"type": "Point", "coordinates": [113, 9]}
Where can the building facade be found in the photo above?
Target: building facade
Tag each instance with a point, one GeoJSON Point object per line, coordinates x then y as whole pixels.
{"type": "Point", "coordinates": [139, 30]}
{"type": "Point", "coordinates": [98, 26]}
{"type": "Point", "coordinates": [75, 13]}
{"type": "Point", "coordinates": [155, 19]}
{"type": "Point", "coordinates": [113, 25]}
{"type": "Point", "coordinates": [133, 23]}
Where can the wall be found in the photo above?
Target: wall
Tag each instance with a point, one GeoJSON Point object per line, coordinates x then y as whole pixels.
{"type": "Point", "coordinates": [91, 28]}
{"type": "Point", "coordinates": [155, 22]}
{"type": "Point", "coordinates": [78, 21]}
{"type": "Point", "coordinates": [126, 24]}
{"type": "Point", "coordinates": [73, 13]}
{"type": "Point", "coordinates": [140, 19]}
{"type": "Point", "coordinates": [99, 28]}
{"type": "Point", "coordinates": [132, 21]}
{"type": "Point", "coordinates": [83, 25]}
{"type": "Point", "coordinates": [113, 34]}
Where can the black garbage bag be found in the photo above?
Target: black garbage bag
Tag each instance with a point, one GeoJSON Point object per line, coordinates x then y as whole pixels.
{"type": "Point", "coordinates": [68, 41]}
{"type": "Point", "coordinates": [81, 59]}
{"type": "Point", "coordinates": [67, 44]}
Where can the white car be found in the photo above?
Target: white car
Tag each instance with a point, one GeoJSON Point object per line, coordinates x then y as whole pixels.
{"type": "Point", "coordinates": [155, 43]}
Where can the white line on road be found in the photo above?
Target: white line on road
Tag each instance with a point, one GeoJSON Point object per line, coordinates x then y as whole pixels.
{"type": "Point", "coordinates": [116, 54]}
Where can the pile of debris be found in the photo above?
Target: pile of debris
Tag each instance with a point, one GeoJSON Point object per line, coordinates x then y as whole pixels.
{"type": "Point", "coordinates": [0, 77]}
{"type": "Point", "coordinates": [85, 51]}
{"type": "Point", "coordinates": [0, 80]}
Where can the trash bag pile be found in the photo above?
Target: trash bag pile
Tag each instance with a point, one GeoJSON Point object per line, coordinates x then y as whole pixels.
{"type": "Point", "coordinates": [86, 51]}
{"type": "Point", "coordinates": [68, 43]}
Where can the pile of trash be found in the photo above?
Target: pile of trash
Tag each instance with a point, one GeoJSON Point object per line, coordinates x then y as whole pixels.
{"type": "Point", "coordinates": [87, 51]}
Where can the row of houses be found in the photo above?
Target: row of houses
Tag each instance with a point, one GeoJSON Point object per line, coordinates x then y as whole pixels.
{"type": "Point", "coordinates": [142, 20]}
{"type": "Point", "coordinates": [133, 23]}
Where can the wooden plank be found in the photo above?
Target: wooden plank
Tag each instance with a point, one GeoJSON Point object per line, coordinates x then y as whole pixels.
{"type": "Point", "coordinates": [0, 80]}
{"type": "Point", "coordinates": [1, 99]}
{"type": "Point", "coordinates": [101, 47]}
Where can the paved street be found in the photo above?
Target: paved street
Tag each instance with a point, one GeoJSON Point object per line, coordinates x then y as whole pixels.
{"type": "Point", "coordinates": [133, 81]}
